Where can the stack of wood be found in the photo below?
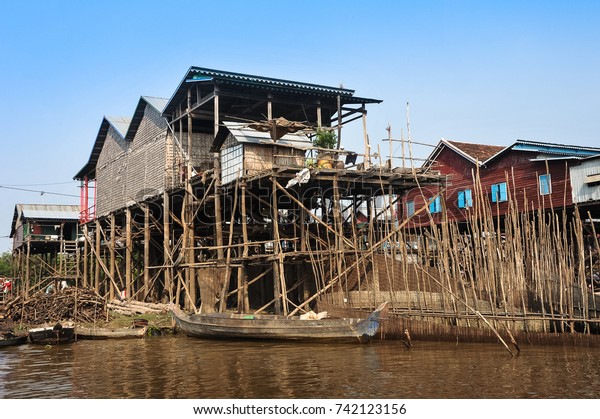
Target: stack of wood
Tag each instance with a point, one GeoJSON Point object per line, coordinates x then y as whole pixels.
{"type": "Point", "coordinates": [131, 308]}
{"type": "Point", "coordinates": [77, 304]}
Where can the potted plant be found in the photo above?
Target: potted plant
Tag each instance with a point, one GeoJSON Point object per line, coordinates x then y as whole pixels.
{"type": "Point", "coordinates": [325, 139]}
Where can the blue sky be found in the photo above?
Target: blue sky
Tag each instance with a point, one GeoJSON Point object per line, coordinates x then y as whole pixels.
{"type": "Point", "coordinates": [479, 71]}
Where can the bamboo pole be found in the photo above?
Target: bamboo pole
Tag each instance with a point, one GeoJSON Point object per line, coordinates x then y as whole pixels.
{"type": "Point", "coordinates": [168, 273]}
{"type": "Point", "coordinates": [97, 254]}
{"type": "Point", "coordinates": [128, 254]}
{"type": "Point", "coordinates": [146, 251]}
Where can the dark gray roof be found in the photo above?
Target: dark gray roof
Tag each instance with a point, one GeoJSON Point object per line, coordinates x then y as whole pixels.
{"type": "Point", "coordinates": [199, 74]}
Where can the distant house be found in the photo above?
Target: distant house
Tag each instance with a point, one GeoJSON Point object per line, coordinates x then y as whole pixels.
{"type": "Point", "coordinates": [527, 174]}
{"type": "Point", "coordinates": [44, 228]}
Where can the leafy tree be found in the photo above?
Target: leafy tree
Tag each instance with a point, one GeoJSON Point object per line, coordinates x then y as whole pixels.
{"type": "Point", "coordinates": [6, 264]}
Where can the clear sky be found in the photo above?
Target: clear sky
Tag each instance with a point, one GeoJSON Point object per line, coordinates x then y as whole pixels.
{"type": "Point", "coordinates": [478, 71]}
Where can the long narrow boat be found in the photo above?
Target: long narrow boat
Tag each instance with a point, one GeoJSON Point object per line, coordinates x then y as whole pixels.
{"type": "Point", "coordinates": [258, 326]}
{"type": "Point", "coordinates": [97, 333]}
{"type": "Point", "coordinates": [8, 339]}
{"type": "Point", "coordinates": [52, 335]}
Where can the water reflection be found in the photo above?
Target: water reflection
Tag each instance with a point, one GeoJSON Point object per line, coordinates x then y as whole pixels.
{"type": "Point", "coordinates": [182, 367]}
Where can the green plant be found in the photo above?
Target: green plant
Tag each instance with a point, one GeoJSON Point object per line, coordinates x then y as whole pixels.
{"type": "Point", "coordinates": [6, 264]}
{"type": "Point", "coordinates": [325, 139]}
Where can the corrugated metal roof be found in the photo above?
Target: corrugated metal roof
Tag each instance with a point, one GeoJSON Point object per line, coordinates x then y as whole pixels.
{"type": "Point", "coordinates": [120, 123]}
{"type": "Point", "coordinates": [158, 103]}
{"type": "Point", "coordinates": [199, 74]}
{"type": "Point", "coordinates": [49, 212]}
{"type": "Point", "coordinates": [556, 149]}
{"type": "Point", "coordinates": [247, 135]}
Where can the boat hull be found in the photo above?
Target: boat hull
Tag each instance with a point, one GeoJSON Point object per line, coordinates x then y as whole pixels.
{"type": "Point", "coordinates": [52, 336]}
{"type": "Point", "coordinates": [235, 326]}
{"type": "Point", "coordinates": [92, 333]}
{"type": "Point", "coordinates": [12, 341]}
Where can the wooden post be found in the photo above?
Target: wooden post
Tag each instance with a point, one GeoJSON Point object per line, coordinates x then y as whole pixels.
{"type": "Point", "coordinates": [112, 255]}
{"type": "Point", "coordinates": [217, 175]}
{"type": "Point", "coordinates": [269, 109]}
{"type": "Point", "coordinates": [62, 263]}
{"type": "Point", "coordinates": [319, 118]}
{"type": "Point", "coordinates": [337, 219]}
{"type": "Point", "coordinates": [97, 258]}
{"type": "Point", "coordinates": [243, 303]}
{"type": "Point", "coordinates": [339, 121]}
{"type": "Point", "coordinates": [27, 272]}
{"type": "Point", "coordinates": [168, 271]}
{"type": "Point", "coordinates": [367, 161]}
{"type": "Point", "coordinates": [146, 251]}
{"type": "Point", "coordinates": [218, 228]}
{"type": "Point", "coordinates": [189, 210]}
{"type": "Point", "coordinates": [280, 288]}
{"type": "Point", "coordinates": [128, 253]}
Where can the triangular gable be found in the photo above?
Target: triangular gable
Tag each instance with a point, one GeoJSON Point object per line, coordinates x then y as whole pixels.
{"type": "Point", "coordinates": [120, 125]}
{"type": "Point", "coordinates": [157, 103]}
{"type": "Point", "coordinates": [477, 154]}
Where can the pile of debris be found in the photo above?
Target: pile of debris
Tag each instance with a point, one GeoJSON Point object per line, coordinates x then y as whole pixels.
{"type": "Point", "coordinates": [76, 304]}
{"type": "Point", "coordinates": [131, 308]}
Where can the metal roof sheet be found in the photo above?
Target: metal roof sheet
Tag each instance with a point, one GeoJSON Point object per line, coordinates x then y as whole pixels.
{"type": "Point", "coordinates": [49, 212]}
{"type": "Point", "coordinates": [244, 134]}
{"type": "Point", "coordinates": [557, 149]}
{"type": "Point", "coordinates": [120, 123]}
{"type": "Point", "coordinates": [158, 103]}
{"type": "Point", "coordinates": [199, 74]}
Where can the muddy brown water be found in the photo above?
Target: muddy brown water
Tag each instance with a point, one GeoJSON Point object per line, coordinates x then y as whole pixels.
{"type": "Point", "coordinates": [174, 367]}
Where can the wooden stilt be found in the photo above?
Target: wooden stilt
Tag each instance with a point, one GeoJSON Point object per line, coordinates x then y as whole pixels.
{"type": "Point", "coordinates": [128, 254]}
{"type": "Point", "coordinates": [146, 292]}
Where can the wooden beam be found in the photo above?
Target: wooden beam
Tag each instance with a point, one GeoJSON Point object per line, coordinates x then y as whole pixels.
{"type": "Point", "coordinates": [168, 273]}
{"type": "Point", "coordinates": [146, 251]}
{"type": "Point", "coordinates": [128, 253]}
{"type": "Point", "coordinates": [111, 250]}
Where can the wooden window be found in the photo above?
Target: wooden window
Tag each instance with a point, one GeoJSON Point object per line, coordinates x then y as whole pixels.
{"type": "Point", "coordinates": [545, 184]}
{"type": "Point", "coordinates": [499, 192]}
{"type": "Point", "coordinates": [465, 199]}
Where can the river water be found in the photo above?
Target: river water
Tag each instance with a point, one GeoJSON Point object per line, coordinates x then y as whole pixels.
{"type": "Point", "coordinates": [174, 367]}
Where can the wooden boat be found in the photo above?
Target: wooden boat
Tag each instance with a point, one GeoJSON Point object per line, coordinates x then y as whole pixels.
{"type": "Point", "coordinates": [52, 335]}
{"type": "Point", "coordinates": [108, 333]}
{"type": "Point", "coordinates": [256, 326]}
{"type": "Point", "coordinates": [9, 339]}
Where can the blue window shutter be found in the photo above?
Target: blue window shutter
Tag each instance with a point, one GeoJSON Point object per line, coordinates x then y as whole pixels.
{"type": "Point", "coordinates": [435, 205]}
{"type": "Point", "coordinates": [468, 198]}
{"type": "Point", "coordinates": [503, 192]}
{"type": "Point", "coordinates": [410, 208]}
{"type": "Point", "coordinates": [432, 206]}
{"type": "Point", "coordinates": [545, 184]}
{"type": "Point", "coordinates": [499, 192]}
{"type": "Point", "coordinates": [495, 193]}
{"type": "Point", "coordinates": [461, 199]}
